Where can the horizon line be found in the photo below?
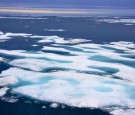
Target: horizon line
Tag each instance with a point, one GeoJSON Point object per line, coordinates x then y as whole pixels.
{"type": "Point", "coordinates": [36, 11]}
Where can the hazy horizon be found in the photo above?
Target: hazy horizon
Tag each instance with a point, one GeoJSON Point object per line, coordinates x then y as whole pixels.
{"type": "Point", "coordinates": [104, 4]}
{"type": "Point", "coordinates": [107, 7]}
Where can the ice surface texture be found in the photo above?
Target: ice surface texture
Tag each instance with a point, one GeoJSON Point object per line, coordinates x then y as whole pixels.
{"type": "Point", "coordinates": [75, 72]}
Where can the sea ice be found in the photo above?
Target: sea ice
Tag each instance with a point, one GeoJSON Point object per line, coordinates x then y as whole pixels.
{"type": "Point", "coordinates": [3, 91]}
{"type": "Point", "coordinates": [96, 75]}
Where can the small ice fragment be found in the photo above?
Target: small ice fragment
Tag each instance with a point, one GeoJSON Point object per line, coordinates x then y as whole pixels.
{"type": "Point", "coordinates": [54, 105]}
{"type": "Point", "coordinates": [44, 107]}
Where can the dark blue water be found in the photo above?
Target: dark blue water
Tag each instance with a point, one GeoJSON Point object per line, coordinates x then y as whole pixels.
{"type": "Point", "coordinates": [22, 108]}
{"type": "Point", "coordinates": [76, 27]}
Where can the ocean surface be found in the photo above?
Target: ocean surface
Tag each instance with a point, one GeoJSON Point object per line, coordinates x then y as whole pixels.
{"type": "Point", "coordinates": [60, 65]}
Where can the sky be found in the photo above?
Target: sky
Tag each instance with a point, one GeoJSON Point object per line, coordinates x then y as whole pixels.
{"type": "Point", "coordinates": [98, 4]}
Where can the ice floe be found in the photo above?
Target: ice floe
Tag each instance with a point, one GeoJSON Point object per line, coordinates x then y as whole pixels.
{"type": "Point", "coordinates": [54, 49]}
{"type": "Point", "coordinates": [1, 59]}
{"type": "Point", "coordinates": [59, 40]}
{"type": "Point", "coordinates": [124, 44]}
{"type": "Point", "coordinates": [80, 90]}
{"type": "Point", "coordinates": [34, 45]}
{"type": "Point", "coordinates": [43, 39]}
{"type": "Point", "coordinates": [73, 72]}
{"type": "Point", "coordinates": [128, 24]}
{"type": "Point", "coordinates": [18, 34]}
{"type": "Point", "coordinates": [1, 33]}
{"type": "Point", "coordinates": [44, 107]}
{"type": "Point", "coordinates": [127, 21]}
{"type": "Point", "coordinates": [3, 37]}
{"type": "Point", "coordinates": [10, 99]}
{"type": "Point", "coordinates": [131, 51]}
{"type": "Point", "coordinates": [54, 105]}
{"type": "Point", "coordinates": [3, 91]}
{"type": "Point", "coordinates": [54, 30]}
{"type": "Point", "coordinates": [123, 112]}
{"type": "Point", "coordinates": [10, 35]}
{"type": "Point", "coordinates": [8, 80]}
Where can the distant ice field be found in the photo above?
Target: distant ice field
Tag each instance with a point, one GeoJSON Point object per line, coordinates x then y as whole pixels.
{"type": "Point", "coordinates": [48, 62]}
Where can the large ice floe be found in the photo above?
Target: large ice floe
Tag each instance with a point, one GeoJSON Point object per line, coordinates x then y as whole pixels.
{"type": "Point", "coordinates": [75, 72]}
